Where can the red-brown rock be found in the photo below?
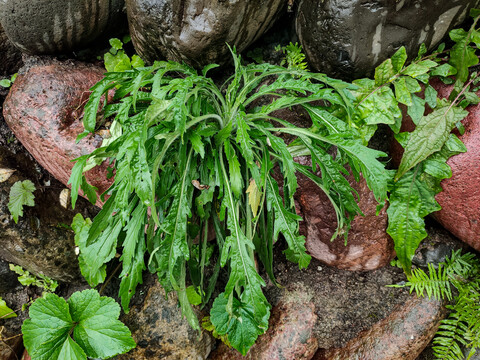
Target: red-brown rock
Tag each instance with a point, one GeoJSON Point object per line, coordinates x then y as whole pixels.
{"type": "Point", "coordinates": [289, 336]}
{"type": "Point", "coordinates": [401, 335]}
{"type": "Point", "coordinates": [460, 198]}
{"type": "Point", "coordinates": [43, 109]}
{"type": "Point", "coordinates": [368, 247]}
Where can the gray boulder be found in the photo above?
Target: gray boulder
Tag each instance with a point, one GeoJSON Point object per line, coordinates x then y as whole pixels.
{"type": "Point", "coordinates": [10, 55]}
{"type": "Point", "coordinates": [57, 26]}
{"type": "Point", "coordinates": [197, 31]}
{"type": "Point", "coordinates": [349, 38]}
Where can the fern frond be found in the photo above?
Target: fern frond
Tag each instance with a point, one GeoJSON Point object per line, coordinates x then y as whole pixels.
{"type": "Point", "coordinates": [448, 338]}
{"type": "Point", "coordinates": [436, 283]}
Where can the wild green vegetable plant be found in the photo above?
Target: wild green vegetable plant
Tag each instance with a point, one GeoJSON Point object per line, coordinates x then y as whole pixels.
{"type": "Point", "coordinates": [117, 60]}
{"type": "Point", "coordinates": [26, 279]}
{"type": "Point", "coordinates": [431, 144]}
{"type": "Point", "coordinates": [189, 154]}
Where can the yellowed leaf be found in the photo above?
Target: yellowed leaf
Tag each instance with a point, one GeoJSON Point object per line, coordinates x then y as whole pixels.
{"type": "Point", "coordinates": [5, 174]}
{"type": "Point", "coordinates": [254, 197]}
{"type": "Point", "coordinates": [64, 197]}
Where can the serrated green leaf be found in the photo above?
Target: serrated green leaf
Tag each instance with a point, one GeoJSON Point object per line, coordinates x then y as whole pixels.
{"type": "Point", "coordinates": [47, 329]}
{"type": "Point", "coordinates": [236, 180]}
{"type": "Point", "coordinates": [197, 144]}
{"type": "Point", "coordinates": [21, 194]}
{"type": "Point", "coordinates": [5, 311]}
{"type": "Point", "coordinates": [132, 257]}
{"type": "Point", "coordinates": [93, 257]}
{"type": "Point", "coordinates": [286, 222]}
{"type": "Point", "coordinates": [410, 200]}
{"type": "Point", "coordinates": [429, 136]}
{"type": "Point", "coordinates": [99, 332]}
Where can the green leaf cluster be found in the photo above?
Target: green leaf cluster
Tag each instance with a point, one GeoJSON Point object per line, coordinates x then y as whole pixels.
{"type": "Point", "coordinates": [117, 60]}
{"type": "Point", "coordinates": [457, 279]}
{"type": "Point", "coordinates": [21, 194]}
{"type": "Point", "coordinates": [189, 154]}
{"type": "Point", "coordinates": [86, 325]}
{"type": "Point", "coordinates": [39, 280]}
{"type": "Point", "coordinates": [6, 83]}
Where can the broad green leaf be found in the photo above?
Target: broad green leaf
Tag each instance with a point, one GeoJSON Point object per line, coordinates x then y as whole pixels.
{"type": "Point", "coordinates": [98, 331]}
{"type": "Point", "coordinates": [443, 70]}
{"type": "Point", "coordinates": [401, 92]}
{"type": "Point", "coordinates": [5, 311]}
{"type": "Point", "coordinates": [241, 327]}
{"type": "Point", "coordinates": [116, 43]}
{"type": "Point", "coordinates": [21, 194]}
{"type": "Point", "coordinates": [137, 62]}
{"type": "Point", "coordinates": [416, 69]}
{"type": "Point", "coordinates": [6, 83]}
{"type": "Point", "coordinates": [193, 296]}
{"type": "Point", "coordinates": [410, 200]}
{"type": "Point", "coordinates": [431, 97]}
{"type": "Point", "coordinates": [398, 59]}
{"type": "Point", "coordinates": [45, 333]}
{"type": "Point", "coordinates": [429, 136]}
{"type": "Point", "coordinates": [417, 109]}
{"type": "Point", "coordinates": [376, 105]}
{"type": "Point", "coordinates": [71, 351]}
{"type": "Point", "coordinates": [93, 257]}
{"type": "Point", "coordinates": [384, 72]}
{"type": "Point", "coordinates": [462, 55]}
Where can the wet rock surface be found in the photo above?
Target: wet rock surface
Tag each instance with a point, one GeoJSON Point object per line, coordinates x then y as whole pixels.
{"type": "Point", "coordinates": [290, 334]}
{"type": "Point", "coordinates": [10, 55]}
{"type": "Point", "coordinates": [402, 335]}
{"type": "Point", "coordinates": [345, 302]}
{"type": "Point", "coordinates": [44, 111]}
{"type": "Point", "coordinates": [196, 31]}
{"type": "Point", "coordinates": [41, 241]}
{"type": "Point", "coordinates": [58, 26]}
{"type": "Point", "coordinates": [368, 247]}
{"type": "Point", "coordinates": [348, 38]}
{"type": "Point", "coordinates": [159, 329]}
